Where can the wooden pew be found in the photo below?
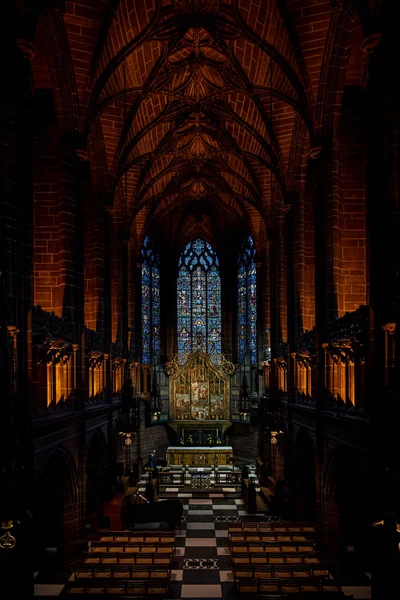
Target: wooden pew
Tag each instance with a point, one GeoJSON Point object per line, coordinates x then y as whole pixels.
{"type": "Point", "coordinates": [100, 572]}
{"type": "Point", "coordinates": [273, 547]}
{"type": "Point", "coordinates": [102, 547]}
{"type": "Point", "coordinates": [163, 537]}
{"type": "Point", "coordinates": [142, 587]}
{"type": "Point", "coordinates": [262, 526]}
{"type": "Point", "coordinates": [257, 587]}
{"type": "Point", "coordinates": [266, 558]}
{"type": "Point", "coordinates": [126, 558]}
{"type": "Point", "coordinates": [289, 571]}
{"type": "Point", "coordinates": [271, 536]}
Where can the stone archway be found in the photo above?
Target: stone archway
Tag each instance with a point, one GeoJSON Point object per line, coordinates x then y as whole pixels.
{"type": "Point", "coordinates": [304, 478]}
{"type": "Point", "coordinates": [58, 514]}
{"type": "Point", "coordinates": [98, 488]}
{"type": "Point", "coordinates": [346, 503]}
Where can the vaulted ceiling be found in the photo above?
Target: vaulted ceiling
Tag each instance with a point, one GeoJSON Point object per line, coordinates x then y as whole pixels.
{"type": "Point", "coordinates": [199, 103]}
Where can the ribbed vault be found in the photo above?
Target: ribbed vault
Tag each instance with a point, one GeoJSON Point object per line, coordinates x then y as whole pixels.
{"type": "Point", "coordinates": [198, 100]}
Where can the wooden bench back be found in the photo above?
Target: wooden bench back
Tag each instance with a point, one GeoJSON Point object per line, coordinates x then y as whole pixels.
{"type": "Point", "coordinates": [266, 558]}
{"type": "Point", "coordinates": [323, 570]}
{"type": "Point", "coordinates": [98, 547]}
{"type": "Point", "coordinates": [262, 526]}
{"type": "Point", "coordinates": [161, 537]}
{"type": "Point", "coordinates": [143, 587]}
{"type": "Point", "coordinates": [250, 587]}
{"type": "Point", "coordinates": [270, 536]}
{"type": "Point", "coordinates": [121, 572]}
{"type": "Point", "coordinates": [127, 558]}
{"type": "Point", "coordinates": [272, 547]}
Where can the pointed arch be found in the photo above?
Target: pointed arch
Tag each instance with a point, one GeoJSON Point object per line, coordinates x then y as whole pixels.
{"type": "Point", "coordinates": [247, 305]}
{"type": "Point", "coordinates": [199, 300]}
{"type": "Point", "coordinates": [150, 303]}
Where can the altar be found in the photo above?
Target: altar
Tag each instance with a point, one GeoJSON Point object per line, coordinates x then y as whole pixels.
{"type": "Point", "coordinates": [199, 455]}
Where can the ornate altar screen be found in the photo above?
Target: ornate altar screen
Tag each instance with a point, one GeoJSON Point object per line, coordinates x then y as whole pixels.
{"type": "Point", "coordinates": [199, 389]}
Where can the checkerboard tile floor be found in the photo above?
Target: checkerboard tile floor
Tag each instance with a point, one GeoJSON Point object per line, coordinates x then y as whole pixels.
{"type": "Point", "coordinates": [201, 571]}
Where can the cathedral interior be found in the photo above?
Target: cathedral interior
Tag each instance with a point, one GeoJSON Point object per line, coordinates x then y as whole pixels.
{"type": "Point", "coordinates": [199, 296]}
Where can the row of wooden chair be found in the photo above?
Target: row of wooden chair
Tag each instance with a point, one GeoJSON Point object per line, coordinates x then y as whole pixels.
{"type": "Point", "coordinates": [145, 547]}
{"type": "Point", "coordinates": [284, 586]}
{"type": "Point", "coordinates": [121, 572]}
{"type": "Point", "coordinates": [270, 536]}
{"type": "Point", "coordinates": [140, 588]}
{"type": "Point", "coordinates": [262, 526]}
{"type": "Point", "coordinates": [162, 537]}
{"type": "Point", "coordinates": [265, 558]}
{"type": "Point", "coordinates": [138, 558]}
{"type": "Point", "coordinates": [273, 547]}
{"type": "Point", "coordinates": [322, 570]}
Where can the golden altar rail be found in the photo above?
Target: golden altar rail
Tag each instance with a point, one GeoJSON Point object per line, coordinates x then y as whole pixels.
{"type": "Point", "coordinates": [199, 455]}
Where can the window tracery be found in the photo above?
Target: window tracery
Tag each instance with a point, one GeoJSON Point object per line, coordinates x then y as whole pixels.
{"type": "Point", "coordinates": [150, 303]}
{"type": "Point", "coordinates": [199, 300]}
{"type": "Point", "coordinates": [247, 304]}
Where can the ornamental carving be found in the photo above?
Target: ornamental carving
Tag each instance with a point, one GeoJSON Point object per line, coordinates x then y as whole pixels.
{"type": "Point", "coordinates": [172, 366]}
{"type": "Point", "coordinates": [281, 350]}
{"type": "Point", "coordinates": [199, 390]}
{"type": "Point", "coordinates": [390, 328]}
{"type": "Point", "coordinates": [351, 330]}
{"type": "Point", "coordinates": [47, 326]}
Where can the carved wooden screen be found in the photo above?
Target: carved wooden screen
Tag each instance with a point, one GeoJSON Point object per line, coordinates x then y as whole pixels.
{"type": "Point", "coordinates": [199, 390]}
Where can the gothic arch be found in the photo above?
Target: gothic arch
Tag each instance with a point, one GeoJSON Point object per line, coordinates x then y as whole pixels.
{"type": "Point", "coordinates": [305, 469]}
{"type": "Point", "coordinates": [58, 487]}
{"type": "Point", "coordinates": [98, 476]}
{"type": "Point", "coordinates": [346, 497]}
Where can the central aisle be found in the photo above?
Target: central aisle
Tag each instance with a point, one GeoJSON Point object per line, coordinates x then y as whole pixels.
{"type": "Point", "coordinates": [203, 567]}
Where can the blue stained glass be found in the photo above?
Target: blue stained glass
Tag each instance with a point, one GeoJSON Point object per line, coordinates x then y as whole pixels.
{"type": "Point", "coordinates": [199, 300]}
{"type": "Point", "coordinates": [247, 303]}
{"type": "Point", "coordinates": [150, 303]}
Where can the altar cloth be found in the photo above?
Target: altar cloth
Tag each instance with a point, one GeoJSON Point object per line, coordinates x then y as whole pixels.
{"type": "Point", "coordinates": [199, 455]}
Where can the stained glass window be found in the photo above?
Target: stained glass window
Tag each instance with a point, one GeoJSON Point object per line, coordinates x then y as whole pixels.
{"type": "Point", "coordinates": [247, 307]}
{"type": "Point", "coordinates": [150, 303]}
{"type": "Point", "coordinates": [199, 300]}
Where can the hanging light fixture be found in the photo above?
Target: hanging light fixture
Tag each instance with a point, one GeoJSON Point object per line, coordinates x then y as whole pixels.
{"type": "Point", "coordinates": [155, 395]}
{"type": "Point", "coordinates": [129, 418]}
{"type": "Point", "coordinates": [244, 398]}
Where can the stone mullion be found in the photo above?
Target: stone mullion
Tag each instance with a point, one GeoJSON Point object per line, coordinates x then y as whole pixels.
{"type": "Point", "coordinates": [261, 335]}
{"type": "Point", "coordinates": [229, 307]}
{"type": "Point", "coordinates": [137, 299]}
{"type": "Point", "coordinates": [169, 305]}
{"type": "Point", "coordinates": [265, 286]}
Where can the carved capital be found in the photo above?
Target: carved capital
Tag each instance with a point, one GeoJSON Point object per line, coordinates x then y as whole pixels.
{"type": "Point", "coordinates": [315, 151]}
{"type": "Point", "coordinates": [95, 358]}
{"type": "Point", "coordinates": [82, 154]}
{"type": "Point", "coordinates": [27, 48]}
{"type": "Point", "coordinates": [12, 331]}
{"type": "Point", "coordinates": [390, 328]}
{"type": "Point", "coordinates": [370, 43]}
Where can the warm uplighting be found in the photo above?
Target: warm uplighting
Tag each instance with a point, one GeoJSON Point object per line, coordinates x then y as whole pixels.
{"type": "Point", "coordinates": [128, 439]}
